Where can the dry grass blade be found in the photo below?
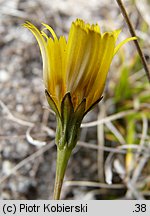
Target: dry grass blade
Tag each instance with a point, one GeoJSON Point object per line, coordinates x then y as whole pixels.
{"type": "Point", "coordinates": [32, 141]}
{"type": "Point", "coordinates": [136, 194]}
{"type": "Point", "coordinates": [135, 176]}
{"type": "Point", "coordinates": [11, 117]}
{"type": "Point", "coordinates": [116, 132]}
{"type": "Point", "coordinates": [96, 147]}
{"type": "Point", "coordinates": [108, 119]}
{"type": "Point", "coordinates": [27, 160]}
{"type": "Point", "coordinates": [108, 168]}
{"type": "Point", "coordinates": [93, 184]}
{"type": "Point", "coordinates": [101, 143]}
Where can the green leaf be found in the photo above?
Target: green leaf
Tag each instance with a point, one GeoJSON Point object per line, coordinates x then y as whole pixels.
{"type": "Point", "coordinates": [123, 89]}
{"type": "Point", "coordinates": [74, 129]}
{"type": "Point", "coordinates": [52, 103]}
{"type": "Point", "coordinates": [69, 129]}
{"type": "Point", "coordinates": [67, 109]}
{"type": "Point", "coordinates": [79, 113]}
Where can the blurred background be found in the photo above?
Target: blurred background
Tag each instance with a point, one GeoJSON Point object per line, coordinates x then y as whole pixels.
{"type": "Point", "coordinates": [111, 159]}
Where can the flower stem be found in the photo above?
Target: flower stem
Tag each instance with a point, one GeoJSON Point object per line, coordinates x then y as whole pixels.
{"type": "Point", "coordinates": [63, 156]}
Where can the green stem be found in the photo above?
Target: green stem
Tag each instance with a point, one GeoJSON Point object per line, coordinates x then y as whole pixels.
{"type": "Point", "coordinates": [63, 156]}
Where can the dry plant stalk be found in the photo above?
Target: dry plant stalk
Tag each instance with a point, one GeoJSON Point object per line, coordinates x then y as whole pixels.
{"type": "Point", "coordinates": [133, 33]}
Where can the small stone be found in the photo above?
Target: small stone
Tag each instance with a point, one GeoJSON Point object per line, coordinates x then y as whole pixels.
{"type": "Point", "coordinates": [19, 108]}
{"type": "Point", "coordinates": [5, 195]}
{"type": "Point", "coordinates": [25, 184]}
{"type": "Point", "coordinates": [4, 76]}
{"type": "Point", "coordinates": [7, 151]}
{"type": "Point", "coordinates": [7, 167]}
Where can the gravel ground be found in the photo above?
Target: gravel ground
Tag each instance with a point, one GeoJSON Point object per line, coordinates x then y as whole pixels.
{"type": "Point", "coordinates": [27, 171]}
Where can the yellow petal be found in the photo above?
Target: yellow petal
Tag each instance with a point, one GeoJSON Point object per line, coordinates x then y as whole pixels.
{"type": "Point", "coordinates": [43, 48]}
{"type": "Point", "coordinates": [80, 65]}
{"type": "Point", "coordinates": [38, 36]}
{"type": "Point", "coordinates": [92, 64]}
{"type": "Point", "coordinates": [83, 48]}
{"type": "Point", "coordinates": [57, 76]}
{"type": "Point", "coordinates": [44, 34]}
{"type": "Point", "coordinates": [105, 58]}
{"type": "Point", "coordinates": [75, 51]}
{"type": "Point", "coordinates": [116, 33]}
{"type": "Point", "coordinates": [122, 43]}
{"type": "Point", "coordinates": [50, 30]}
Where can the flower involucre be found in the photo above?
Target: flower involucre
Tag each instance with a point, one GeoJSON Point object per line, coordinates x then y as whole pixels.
{"type": "Point", "coordinates": [78, 65]}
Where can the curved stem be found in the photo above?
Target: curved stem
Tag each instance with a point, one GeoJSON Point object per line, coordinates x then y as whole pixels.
{"type": "Point", "coordinates": [63, 156]}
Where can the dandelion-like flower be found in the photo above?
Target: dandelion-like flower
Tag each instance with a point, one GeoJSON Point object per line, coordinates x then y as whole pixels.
{"type": "Point", "coordinates": [74, 73]}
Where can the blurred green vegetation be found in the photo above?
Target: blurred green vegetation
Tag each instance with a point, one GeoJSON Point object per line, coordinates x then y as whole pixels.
{"type": "Point", "coordinates": [131, 91]}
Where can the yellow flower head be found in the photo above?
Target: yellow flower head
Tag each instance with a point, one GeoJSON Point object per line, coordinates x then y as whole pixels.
{"type": "Point", "coordinates": [78, 65]}
{"type": "Point", "coordinates": [74, 73]}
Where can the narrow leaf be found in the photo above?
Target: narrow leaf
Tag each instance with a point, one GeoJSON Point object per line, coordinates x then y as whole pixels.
{"type": "Point", "coordinates": [52, 103]}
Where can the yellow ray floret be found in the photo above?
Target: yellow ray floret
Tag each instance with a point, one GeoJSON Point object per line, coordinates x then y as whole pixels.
{"type": "Point", "coordinates": [79, 65]}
